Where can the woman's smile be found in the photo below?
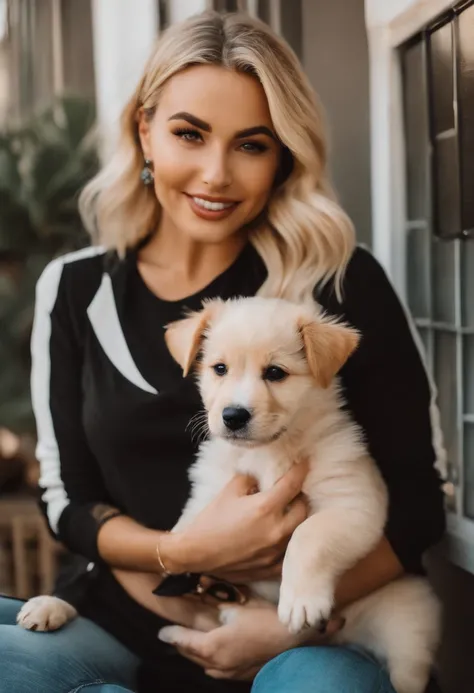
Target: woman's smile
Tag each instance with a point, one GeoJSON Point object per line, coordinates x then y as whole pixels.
{"type": "Point", "coordinates": [211, 208]}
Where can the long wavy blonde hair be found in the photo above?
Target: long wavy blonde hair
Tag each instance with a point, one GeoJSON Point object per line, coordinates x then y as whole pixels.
{"type": "Point", "coordinates": [304, 237]}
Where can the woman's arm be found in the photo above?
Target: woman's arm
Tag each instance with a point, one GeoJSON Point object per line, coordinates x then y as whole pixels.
{"type": "Point", "coordinates": [237, 527]}
{"type": "Point", "coordinates": [74, 498]}
{"type": "Point", "coordinates": [389, 395]}
{"type": "Point", "coordinates": [376, 570]}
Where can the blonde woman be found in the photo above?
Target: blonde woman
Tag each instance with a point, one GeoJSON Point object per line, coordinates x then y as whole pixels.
{"type": "Point", "coordinates": [218, 187]}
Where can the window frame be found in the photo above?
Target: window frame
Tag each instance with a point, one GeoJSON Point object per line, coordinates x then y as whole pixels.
{"type": "Point", "coordinates": [387, 33]}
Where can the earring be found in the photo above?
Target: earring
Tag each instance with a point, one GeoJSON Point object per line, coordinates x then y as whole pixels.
{"type": "Point", "coordinates": [147, 173]}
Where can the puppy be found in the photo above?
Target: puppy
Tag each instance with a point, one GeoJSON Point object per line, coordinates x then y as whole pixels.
{"type": "Point", "coordinates": [267, 376]}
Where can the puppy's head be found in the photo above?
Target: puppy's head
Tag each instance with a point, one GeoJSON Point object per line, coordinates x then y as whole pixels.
{"type": "Point", "coordinates": [260, 359]}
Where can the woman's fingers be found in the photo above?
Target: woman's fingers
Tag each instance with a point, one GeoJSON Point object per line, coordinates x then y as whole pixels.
{"type": "Point", "coordinates": [288, 487]}
{"type": "Point", "coordinates": [296, 513]}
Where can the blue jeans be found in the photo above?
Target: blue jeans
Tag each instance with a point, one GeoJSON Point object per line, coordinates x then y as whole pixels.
{"type": "Point", "coordinates": [81, 657]}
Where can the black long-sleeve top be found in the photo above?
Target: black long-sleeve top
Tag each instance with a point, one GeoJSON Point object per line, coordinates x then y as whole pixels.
{"type": "Point", "coordinates": [112, 410]}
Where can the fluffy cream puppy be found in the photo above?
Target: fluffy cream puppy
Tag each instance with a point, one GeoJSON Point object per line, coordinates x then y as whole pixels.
{"type": "Point", "coordinates": [266, 374]}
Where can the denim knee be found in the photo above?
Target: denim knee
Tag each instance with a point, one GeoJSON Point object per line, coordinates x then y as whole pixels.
{"type": "Point", "coordinates": [322, 670]}
{"type": "Point", "coordinates": [65, 660]}
{"type": "Point", "coordinates": [101, 688]}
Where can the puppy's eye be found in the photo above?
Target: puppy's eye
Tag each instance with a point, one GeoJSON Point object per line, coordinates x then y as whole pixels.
{"type": "Point", "coordinates": [274, 374]}
{"type": "Point", "coordinates": [220, 369]}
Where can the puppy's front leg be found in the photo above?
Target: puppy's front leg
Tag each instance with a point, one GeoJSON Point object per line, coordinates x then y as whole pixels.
{"type": "Point", "coordinates": [320, 550]}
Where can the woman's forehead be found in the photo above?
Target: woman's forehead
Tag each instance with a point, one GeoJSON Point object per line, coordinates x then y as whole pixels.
{"type": "Point", "coordinates": [216, 95]}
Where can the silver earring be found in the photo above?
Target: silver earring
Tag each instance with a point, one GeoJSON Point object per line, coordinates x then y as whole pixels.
{"type": "Point", "coordinates": [147, 173]}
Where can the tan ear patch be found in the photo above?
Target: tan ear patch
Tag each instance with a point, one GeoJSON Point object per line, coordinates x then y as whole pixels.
{"type": "Point", "coordinates": [183, 337]}
{"type": "Point", "coordinates": [327, 346]}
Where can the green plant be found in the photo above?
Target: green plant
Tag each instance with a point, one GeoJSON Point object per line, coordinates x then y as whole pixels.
{"type": "Point", "coordinates": [43, 166]}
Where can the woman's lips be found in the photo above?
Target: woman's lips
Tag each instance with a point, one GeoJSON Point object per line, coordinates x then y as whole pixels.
{"type": "Point", "coordinates": [211, 209]}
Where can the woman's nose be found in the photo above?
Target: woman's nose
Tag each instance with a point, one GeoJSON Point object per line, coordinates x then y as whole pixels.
{"type": "Point", "coordinates": [217, 171]}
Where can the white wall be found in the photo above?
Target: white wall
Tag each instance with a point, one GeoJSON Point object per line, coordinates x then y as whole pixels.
{"type": "Point", "coordinates": [123, 38]}
{"type": "Point", "coordinates": [182, 9]}
{"type": "Point", "coordinates": [335, 58]}
{"type": "Point", "coordinates": [384, 11]}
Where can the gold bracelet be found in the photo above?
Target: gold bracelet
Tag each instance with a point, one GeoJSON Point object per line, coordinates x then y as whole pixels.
{"type": "Point", "coordinates": [164, 569]}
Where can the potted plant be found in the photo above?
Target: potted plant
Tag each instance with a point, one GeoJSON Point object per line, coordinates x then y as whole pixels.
{"type": "Point", "coordinates": [43, 166]}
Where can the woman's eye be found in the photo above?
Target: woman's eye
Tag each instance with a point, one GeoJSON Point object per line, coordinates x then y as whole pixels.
{"type": "Point", "coordinates": [253, 147]}
{"type": "Point", "coordinates": [274, 374]}
{"type": "Point", "coordinates": [220, 369]}
{"type": "Point", "coordinates": [188, 135]}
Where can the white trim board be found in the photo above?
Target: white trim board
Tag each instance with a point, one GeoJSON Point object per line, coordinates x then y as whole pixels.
{"type": "Point", "coordinates": [403, 18]}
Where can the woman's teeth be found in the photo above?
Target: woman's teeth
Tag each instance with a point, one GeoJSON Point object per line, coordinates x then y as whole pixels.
{"type": "Point", "coordinates": [212, 206]}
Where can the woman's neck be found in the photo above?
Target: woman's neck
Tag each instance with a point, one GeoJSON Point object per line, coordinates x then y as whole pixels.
{"type": "Point", "coordinates": [175, 267]}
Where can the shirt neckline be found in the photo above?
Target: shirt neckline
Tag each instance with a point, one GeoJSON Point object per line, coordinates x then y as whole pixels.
{"type": "Point", "coordinates": [211, 289]}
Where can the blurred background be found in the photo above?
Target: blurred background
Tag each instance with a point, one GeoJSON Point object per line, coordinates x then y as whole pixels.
{"type": "Point", "coordinates": [396, 78]}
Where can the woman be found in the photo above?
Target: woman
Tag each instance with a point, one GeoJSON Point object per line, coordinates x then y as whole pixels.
{"type": "Point", "coordinates": [218, 188]}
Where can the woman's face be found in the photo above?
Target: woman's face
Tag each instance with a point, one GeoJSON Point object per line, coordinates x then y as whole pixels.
{"type": "Point", "coordinates": [214, 151]}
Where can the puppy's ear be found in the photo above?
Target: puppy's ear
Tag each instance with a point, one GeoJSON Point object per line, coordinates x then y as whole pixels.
{"type": "Point", "coordinates": [183, 337]}
{"type": "Point", "coordinates": [327, 345]}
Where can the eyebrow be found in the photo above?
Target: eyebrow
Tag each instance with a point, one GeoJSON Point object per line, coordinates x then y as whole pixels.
{"type": "Point", "coordinates": [202, 125]}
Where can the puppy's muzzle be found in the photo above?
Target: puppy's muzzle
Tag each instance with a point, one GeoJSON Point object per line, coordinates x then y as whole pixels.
{"type": "Point", "coordinates": [235, 418]}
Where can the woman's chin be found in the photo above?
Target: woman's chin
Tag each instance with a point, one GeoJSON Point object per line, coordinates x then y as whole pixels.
{"type": "Point", "coordinates": [201, 231]}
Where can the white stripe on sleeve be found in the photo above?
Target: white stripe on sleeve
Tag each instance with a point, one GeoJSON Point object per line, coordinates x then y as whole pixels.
{"type": "Point", "coordinates": [47, 451]}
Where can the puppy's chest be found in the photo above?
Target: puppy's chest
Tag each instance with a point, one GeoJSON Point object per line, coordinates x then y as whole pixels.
{"type": "Point", "coordinates": [264, 465]}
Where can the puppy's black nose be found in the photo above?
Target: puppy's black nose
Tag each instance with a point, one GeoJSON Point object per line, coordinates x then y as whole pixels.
{"type": "Point", "coordinates": [235, 418]}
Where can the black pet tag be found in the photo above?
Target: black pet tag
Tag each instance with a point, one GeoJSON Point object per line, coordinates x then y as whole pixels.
{"type": "Point", "coordinates": [177, 585]}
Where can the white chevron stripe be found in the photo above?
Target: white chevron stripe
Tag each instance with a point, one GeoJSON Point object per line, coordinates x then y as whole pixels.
{"type": "Point", "coordinates": [105, 322]}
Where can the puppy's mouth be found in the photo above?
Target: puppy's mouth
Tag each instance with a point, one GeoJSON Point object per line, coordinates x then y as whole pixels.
{"type": "Point", "coordinates": [247, 439]}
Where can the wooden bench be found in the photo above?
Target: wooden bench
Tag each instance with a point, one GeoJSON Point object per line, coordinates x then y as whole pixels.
{"type": "Point", "coordinates": [29, 554]}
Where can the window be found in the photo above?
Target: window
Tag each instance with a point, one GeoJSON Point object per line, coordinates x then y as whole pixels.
{"type": "Point", "coordinates": [49, 50]}
{"type": "Point", "coordinates": [438, 91]}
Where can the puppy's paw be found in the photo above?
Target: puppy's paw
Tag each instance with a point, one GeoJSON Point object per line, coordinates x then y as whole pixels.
{"type": "Point", "coordinates": [305, 606]}
{"type": "Point", "coordinates": [45, 613]}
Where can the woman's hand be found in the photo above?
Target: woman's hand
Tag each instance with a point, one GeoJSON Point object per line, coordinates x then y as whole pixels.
{"type": "Point", "coordinates": [240, 531]}
{"type": "Point", "coordinates": [250, 637]}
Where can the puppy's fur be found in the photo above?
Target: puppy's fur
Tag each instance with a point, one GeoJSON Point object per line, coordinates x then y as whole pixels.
{"type": "Point", "coordinates": [301, 417]}
{"type": "Point", "coordinates": [295, 413]}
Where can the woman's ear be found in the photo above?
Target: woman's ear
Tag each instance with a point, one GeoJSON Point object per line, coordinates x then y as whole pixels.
{"type": "Point", "coordinates": [327, 346]}
{"type": "Point", "coordinates": [183, 337]}
{"type": "Point", "coordinates": [143, 123]}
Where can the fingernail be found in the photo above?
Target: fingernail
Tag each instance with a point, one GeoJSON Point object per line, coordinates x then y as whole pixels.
{"type": "Point", "coordinates": [165, 636]}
